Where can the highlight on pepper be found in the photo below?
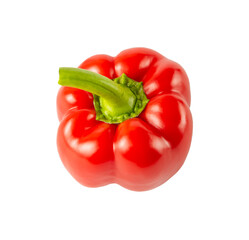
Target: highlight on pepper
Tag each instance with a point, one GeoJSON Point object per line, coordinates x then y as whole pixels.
{"type": "Point", "coordinates": [124, 119]}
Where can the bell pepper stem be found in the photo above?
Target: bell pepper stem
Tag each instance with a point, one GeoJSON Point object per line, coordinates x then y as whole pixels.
{"type": "Point", "coordinates": [114, 101]}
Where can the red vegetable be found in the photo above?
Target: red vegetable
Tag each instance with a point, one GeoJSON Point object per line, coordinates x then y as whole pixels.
{"type": "Point", "coordinates": [143, 129]}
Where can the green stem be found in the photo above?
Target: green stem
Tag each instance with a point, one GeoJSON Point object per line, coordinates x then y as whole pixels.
{"type": "Point", "coordinates": [114, 100]}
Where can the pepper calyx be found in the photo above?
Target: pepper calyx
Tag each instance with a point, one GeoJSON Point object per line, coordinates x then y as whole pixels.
{"type": "Point", "coordinates": [141, 101]}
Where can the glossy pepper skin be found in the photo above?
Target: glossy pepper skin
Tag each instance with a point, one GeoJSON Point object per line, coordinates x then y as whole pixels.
{"type": "Point", "coordinates": [140, 153]}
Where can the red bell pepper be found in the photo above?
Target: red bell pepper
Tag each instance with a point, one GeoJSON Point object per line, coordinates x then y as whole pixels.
{"type": "Point", "coordinates": [136, 128]}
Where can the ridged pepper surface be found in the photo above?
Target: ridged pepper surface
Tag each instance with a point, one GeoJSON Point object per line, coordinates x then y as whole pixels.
{"type": "Point", "coordinates": [124, 119]}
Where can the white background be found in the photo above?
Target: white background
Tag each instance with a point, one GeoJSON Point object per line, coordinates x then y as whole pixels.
{"type": "Point", "coordinates": [206, 199]}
